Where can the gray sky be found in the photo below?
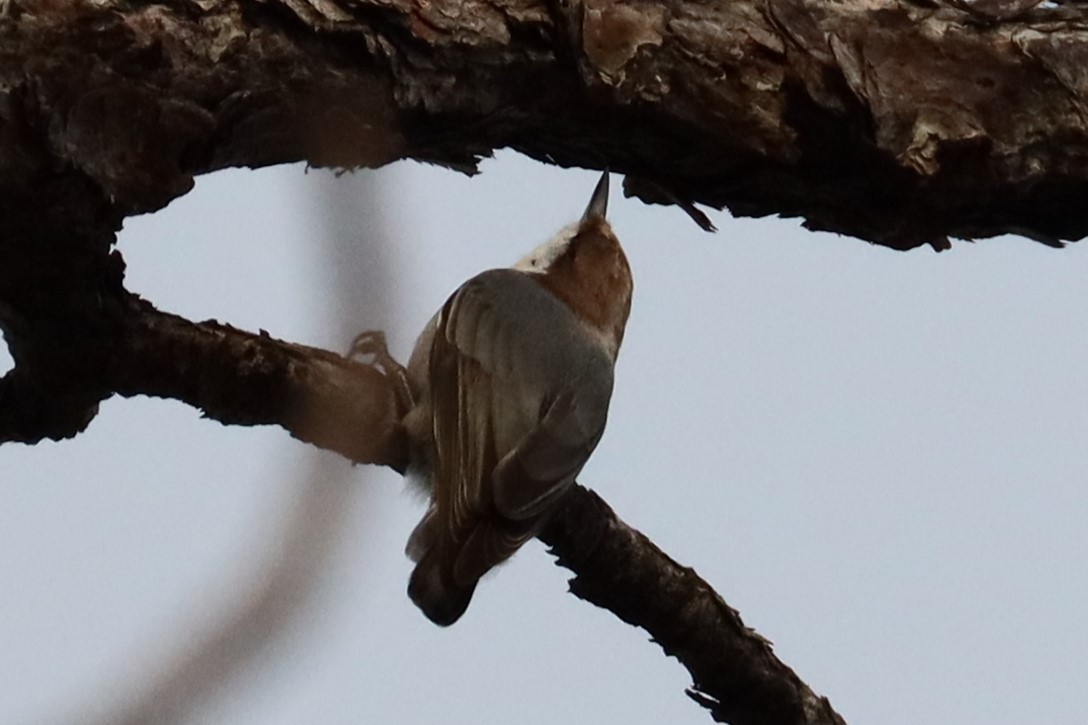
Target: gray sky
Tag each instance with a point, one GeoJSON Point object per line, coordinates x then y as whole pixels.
{"type": "Point", "coordinates": [875, 456]}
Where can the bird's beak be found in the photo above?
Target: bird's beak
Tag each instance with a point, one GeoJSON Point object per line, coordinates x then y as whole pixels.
{"type": "Point", "coordinates": [598, 203]}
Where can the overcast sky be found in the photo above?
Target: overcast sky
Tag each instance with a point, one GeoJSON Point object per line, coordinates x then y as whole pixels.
{"type": "Point", "coordinates": [877, 457]}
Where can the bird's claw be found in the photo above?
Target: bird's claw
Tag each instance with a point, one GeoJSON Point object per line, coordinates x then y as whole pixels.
{"type": "Point", "coordinates": [371, 344]}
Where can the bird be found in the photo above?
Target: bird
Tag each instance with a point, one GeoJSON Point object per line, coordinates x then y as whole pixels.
{"type": "Point", "coordinates": [510, 383]}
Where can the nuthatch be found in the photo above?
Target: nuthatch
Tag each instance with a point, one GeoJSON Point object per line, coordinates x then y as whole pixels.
{"type": "Point", "coordinates": [510, 385]}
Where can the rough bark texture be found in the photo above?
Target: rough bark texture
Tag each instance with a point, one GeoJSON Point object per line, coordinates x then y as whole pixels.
{"type": "Point", "coordinates": [233, 376]}
{"type": "Point", "coordinates": [736, 675]}
{"type": "Point", "coordinates": [900, 122]}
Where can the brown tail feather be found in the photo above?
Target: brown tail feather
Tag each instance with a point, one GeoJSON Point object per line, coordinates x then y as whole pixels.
{"type": "Point", "coordinates": [436, 595]}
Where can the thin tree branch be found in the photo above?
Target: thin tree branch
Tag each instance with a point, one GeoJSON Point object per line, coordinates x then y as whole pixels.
{"type": "Point", "coordinates": [239, 378]}
{"type": "Point", "coordinates": [735, 672]}
{"type": "Point", "coordinates": [320, 397]}
{"type": "Point", "coordinates": [233, 376]}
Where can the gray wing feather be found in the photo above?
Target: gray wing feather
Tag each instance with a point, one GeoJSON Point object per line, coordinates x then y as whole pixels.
{"type": "Point", "coordinates": [520, 400]}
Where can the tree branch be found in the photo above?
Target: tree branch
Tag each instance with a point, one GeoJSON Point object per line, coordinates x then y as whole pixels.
{"type": "Point", "coordinates": [902, 122]}
{"type": "Point", "coordinates": [736, 674]}
{"type": "Point", "coordinates": [322, 398]}
{"type": "Point", "coordinates": [239, 378]}
{"type": "Point", "coordinates": [233, 376]}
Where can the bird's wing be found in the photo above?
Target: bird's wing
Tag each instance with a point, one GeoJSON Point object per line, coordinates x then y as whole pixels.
{"type": "Point", "coordinates": [513, 423]}
{"type": "Point", "coordinates": [532, 477]}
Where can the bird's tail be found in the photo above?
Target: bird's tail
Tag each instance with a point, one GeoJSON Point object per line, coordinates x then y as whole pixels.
{"type": "Point", "coordinates": [432, 586]}
{"type": "Point", "coordinates": [435, 592]}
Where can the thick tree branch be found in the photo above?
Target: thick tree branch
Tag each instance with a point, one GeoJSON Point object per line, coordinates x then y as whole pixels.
{"type": "Point", "coordinates": [898, 121]}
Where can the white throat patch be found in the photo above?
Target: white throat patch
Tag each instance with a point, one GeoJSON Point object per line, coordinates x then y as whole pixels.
{"type": "Point", "coordinates": [541, 258]}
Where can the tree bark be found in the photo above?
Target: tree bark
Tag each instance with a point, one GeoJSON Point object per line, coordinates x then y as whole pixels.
{"type": "Point", "coordinates": [899, 122]}
{"type": "Point", "coordinates": [735, 672]}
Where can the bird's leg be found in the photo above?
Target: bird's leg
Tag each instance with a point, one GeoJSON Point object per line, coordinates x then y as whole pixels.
{"type": "Point", "coordinates": [372, 344]}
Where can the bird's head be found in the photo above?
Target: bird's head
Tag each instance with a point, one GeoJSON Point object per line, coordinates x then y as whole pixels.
{"type": "Point", "coordinates": [584, 265]}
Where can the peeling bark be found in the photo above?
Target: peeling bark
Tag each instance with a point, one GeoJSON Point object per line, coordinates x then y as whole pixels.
{"type": "Point", "coordinates": [898, 122]}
